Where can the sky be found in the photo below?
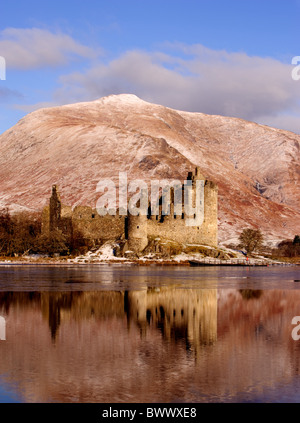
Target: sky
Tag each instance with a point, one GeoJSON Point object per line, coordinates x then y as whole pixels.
{"type": "Point", "coordinates": [225, 57]}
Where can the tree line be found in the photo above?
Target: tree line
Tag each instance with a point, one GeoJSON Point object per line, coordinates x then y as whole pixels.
{"type": "Point", "coordinates": [21, 233]}
{"type": "Point", "coordinates": [252, 241]}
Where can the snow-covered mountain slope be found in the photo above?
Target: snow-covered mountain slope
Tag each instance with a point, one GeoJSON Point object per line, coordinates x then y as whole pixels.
{"type": "Point", "coordinates": [256, 167]}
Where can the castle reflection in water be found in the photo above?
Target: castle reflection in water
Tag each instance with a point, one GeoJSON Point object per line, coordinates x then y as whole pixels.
{"type": "Point", "coordinates": [160, 344]}
{"type": "Point", "coordinates": [190, 315]}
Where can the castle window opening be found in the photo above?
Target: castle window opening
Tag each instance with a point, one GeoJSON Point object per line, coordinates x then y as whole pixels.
{"type": "Point", "coordinates": [93, 216]}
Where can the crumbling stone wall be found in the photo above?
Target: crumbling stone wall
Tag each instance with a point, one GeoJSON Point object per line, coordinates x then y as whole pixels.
{"type": "Point", "coordinates": [174, 227]}
{"type": "Point", "coordinates": [96, 227]}
{"type": "Point", "coordinates": [137, 229]}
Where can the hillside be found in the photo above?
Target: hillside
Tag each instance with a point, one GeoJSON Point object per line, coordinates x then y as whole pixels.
{"type": "Point", "coordinates": [256, 167]}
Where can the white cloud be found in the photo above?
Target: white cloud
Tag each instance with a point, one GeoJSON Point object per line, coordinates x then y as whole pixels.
{"type": "Point", "coordinates": [286, 122]}
{"type": "Point", "coordinates": [34, 48]}
{"type": "Point", "coordinates": [195, 78]}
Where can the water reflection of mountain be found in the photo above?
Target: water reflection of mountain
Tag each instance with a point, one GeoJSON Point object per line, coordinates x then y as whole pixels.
{"type": "Point", "coordinates": [154, 345]}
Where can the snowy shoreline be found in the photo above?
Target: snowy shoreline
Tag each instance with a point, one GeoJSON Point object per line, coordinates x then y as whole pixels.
{"type": "Point", "coordinates": [105, 256]}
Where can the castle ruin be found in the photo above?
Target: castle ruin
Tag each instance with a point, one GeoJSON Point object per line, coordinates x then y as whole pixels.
{"type": "Point", "coordinates": [136, 231]}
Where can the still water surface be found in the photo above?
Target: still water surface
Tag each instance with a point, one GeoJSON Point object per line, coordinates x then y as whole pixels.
{"type": "Point", "coordinates": [104, 333]}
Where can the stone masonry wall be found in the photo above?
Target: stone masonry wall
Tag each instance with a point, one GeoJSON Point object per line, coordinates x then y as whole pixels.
{"type": "Point", "coordinates": [175, 229]}
{"type": "Point", "coordinates": [94, 226]}
{"type": "Point", "coordinates": [137, 229]}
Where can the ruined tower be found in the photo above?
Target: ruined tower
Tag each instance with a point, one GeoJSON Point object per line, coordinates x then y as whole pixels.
{"type": "Point", "coordinates": [55, 209]}
{"type": "Point", "coordinates": [137, 233]}
{"type": "Point", "coordinates": [187, 229]}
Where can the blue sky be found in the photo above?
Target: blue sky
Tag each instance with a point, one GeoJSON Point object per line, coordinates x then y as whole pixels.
{"type": "Point", "coordinates": [229, 57]}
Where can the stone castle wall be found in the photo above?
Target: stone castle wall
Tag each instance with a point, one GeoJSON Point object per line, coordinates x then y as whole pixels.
{"type": "Point", "coordinates": [137, 229]}
{"type": "Point", "coordinates": [96, 227]}
{"type": "Point", "coordinates": [175, 228]}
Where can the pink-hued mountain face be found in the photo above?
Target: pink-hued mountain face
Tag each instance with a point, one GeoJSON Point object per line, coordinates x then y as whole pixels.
{"type": "Point", "coordinates": [256, 167]}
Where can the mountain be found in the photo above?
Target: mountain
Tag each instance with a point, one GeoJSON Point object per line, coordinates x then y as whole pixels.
{"type": "Point", "coordinates": [74, 146]}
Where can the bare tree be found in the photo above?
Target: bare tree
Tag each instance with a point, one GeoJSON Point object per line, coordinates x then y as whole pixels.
{"type": "Point", "coordinates": [18, 232]}
{"type": "Point", "coordinates": [251, 240]}
{"type": "Point", "coordinates": [288, 248]}
{"type": "Point", "coordinates": [5, 231]}
{"type": "Point", "coordinates": [54, 242]}
{"type": "Point", "coordinates": [26, 227]}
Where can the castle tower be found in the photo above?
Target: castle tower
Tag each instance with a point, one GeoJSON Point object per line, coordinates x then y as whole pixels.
{"type": "Point", "coordinates": [210, 225]}
{"type": "Point", "coordinates": [55, 209]}
{"type": "Point", "coordinates": [137, 233]}
{"type": "Point", "coordinates": [195, 176]}
{"type": "Point", "coordinates": [211, 212]}
{"type": "Point", "coordinates": [194, 196]}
